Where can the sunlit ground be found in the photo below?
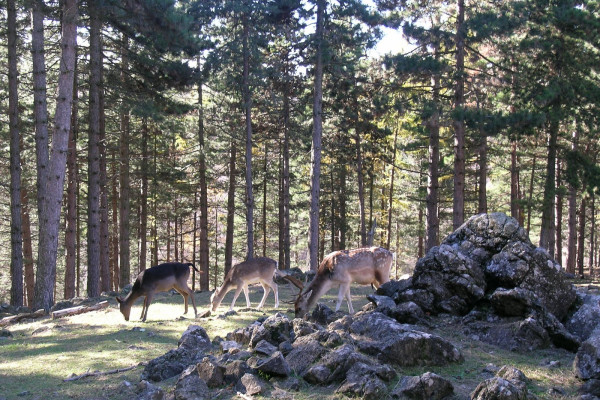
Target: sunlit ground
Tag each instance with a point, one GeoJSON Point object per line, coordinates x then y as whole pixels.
{"type": "Point", "coordinates": [41, 354]}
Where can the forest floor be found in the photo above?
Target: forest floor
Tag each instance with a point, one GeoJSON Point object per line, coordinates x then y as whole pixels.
{"type": "Point", "coordinates": [41, 354]}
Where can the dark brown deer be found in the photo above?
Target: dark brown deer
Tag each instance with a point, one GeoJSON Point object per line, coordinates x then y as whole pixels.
{"type": "Point", "coordinates": [341, 268]}
{"type": "Point", "coordinates": [256, 270]}
{"type": "Point", "coordinates": [160, 278]}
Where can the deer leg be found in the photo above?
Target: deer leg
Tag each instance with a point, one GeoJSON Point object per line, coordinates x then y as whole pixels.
{"type": "Point", "coordinates": [183, 294]}
{"type": "Point", "coordinates": [235, 296]}
{"type": "Point", "coordinates": [247, 296]}
{"type": "Point", "coordinates": [193, 300]}
{"type": "Point", "coordinates": [276, 293]}
{"type": "Point", "coordinates": [344, 287]}
{"type": "Point", "coordinates": [146, 306]}
{"type": "Point", "coordinates": [349, 301]}
{"type": "Point", "coordinates": [143, 309]}
{"type": "Point", "coordinates": [266, 290]}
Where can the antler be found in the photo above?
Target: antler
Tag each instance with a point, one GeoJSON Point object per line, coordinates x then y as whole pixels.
{"type": "Point", "coordinates": [296, 282]}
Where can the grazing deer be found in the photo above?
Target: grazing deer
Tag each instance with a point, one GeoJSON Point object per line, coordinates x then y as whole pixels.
{"type": "Point", "coordinates": [363, 266]}
{"type": "Point", "coordinates": [256, 270]}
{"type": "Point", "coordinates": [160, 278]}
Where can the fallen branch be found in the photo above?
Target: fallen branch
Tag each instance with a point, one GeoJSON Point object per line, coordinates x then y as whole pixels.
{"type": "Point", "coordinates": [98, 373]}
{"type": "Point", "coordinates": [79, 310]}
{"type": "Point", "coordinates": [16, 318]}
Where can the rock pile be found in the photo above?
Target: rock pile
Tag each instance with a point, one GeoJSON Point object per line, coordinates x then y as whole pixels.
{"type": "Point", "coordinates": [510, 292]}
{"type": "Point", "coordinates": [357, 352]}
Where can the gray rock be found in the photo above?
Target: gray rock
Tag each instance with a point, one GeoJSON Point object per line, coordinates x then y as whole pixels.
{"type": "Point", "coordinates": [590, 387]}
{"type": "Point", "coordinates": [264, 347]}
{"type": "Point", "coordinates": [227, 346]}
{"type": "Point", "coordinates": [252, 385]}
{"type": "Point", "coordinates": [303, 327]}
{"type": "Point", "coordinates": [408, 313]}
{"type": "Point", "coordinates": [390, 342]}
{"type": "Point", "coordinates": [304, 354]}
{"type": "Point", "coordinates": [587, 360]}
{"type": "Point", "coordinates": [428, 386]}
{"type": "Point", "coordinates": [516, 302]}
{"type": "Point", "coordinates": [243, 335]}
{"type": "Point", "coordinates": [275, 329]}
{"type": "Point", "coordinates": [190, 387]}
{"type": "Point", "coordinates": [364, 381]}
{"type": "Point", "coordinates": [382, 302]}
{"type": "Point", "coordinates": [170, 364]}
{"type": "Point", "coordinates": [147, 391]}
{"type": "Point", "coordinates": [324, 315]}
{"type": "Point", "coordinates": [235, 370]}
{"type": "Point", "coordinates": [583, 322]}
{"type": "Point", "coordinates": [497, 388]}
{"type": "Point", "coordinates": [195, 339]}
{"type": "Point", "coordinates": [211, 372]}
{"type": "Point", "coordinates": [393, 286]}
{"type": "Point", "coordinates": [275, 365]}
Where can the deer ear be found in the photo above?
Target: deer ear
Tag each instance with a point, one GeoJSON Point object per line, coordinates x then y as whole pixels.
{"type": "Point", "coordinates": [307, 294]}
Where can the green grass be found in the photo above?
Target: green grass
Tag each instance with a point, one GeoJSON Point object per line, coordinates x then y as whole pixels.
{"type": "Point", "coordinates": [33, 365]}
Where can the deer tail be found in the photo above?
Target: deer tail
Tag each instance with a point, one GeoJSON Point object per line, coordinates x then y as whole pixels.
{"type": "Point", "coordinates": [193, 266]}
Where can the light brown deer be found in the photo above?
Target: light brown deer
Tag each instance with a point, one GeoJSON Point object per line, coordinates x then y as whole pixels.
{"type": "Point", "coordinates": [256, 270]}
{"type": "Point", "coordinates": [341, 268]}
{"type": "Point", "coordinates": [160, 278]}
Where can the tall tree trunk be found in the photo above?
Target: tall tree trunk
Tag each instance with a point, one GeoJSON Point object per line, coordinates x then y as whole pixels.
{"type": "Point", "coordinates": [342, 200]}
{"type": "Point", "coordinates": [104, 231]}
{"type": "Point", "coordinates": [482, 206]}
{"type": "Point", "coordinates": [264, 208]}
{"type": "Point", "coordinates": [52, 175]}
{"type": "Point", "coordinates": [280, 215]}
{"type": "Point", "coordinates": [458, 211]}
{"type": "Point", "coordinates": [230, 210]}
{"type": "Point", "coordinates": [572, 218]}
{"type": "Point", "coordinates": [420, 246]}
{"type": "Point", "coordinates": [204, 245]}
{"type": "Point", "coordinates": [581, 236]}
{"type": "Point", "coordinates": [114, 236]}
{"type": "Point", "coordinates": [248, 114]}
{"type": "Point", "coordinates": [71, 234]}
{"type": "Point", "coordinates": [530, 196]}
{"type": "Point", "coordinates": [592, 257]}
{"type": "Point", "coordinates": [547, 231]}
{"type": "Point", "coordinates": [27, 247]}
{"type": "Point", "coordinates": [433, 127]}
{"type": "Point", "coordinates": [361, 188]}
{"type": "Point", "coordinates": [315, 171]}
{"type": "Point", "coordinates": [514, 181]}
{"type": "Point", "coordinates": [391, 197]}
{"type": "Point", "coordinates": [143, 206]}
{"type": "Point", "coordinates": [16, 231]}
{"type": "Point", "coordinates": [559, 214]}
{"type": "Point", "coordinates": [286, 176]}
{"type": "Point", "coordinates": [124, 182]}
{"type": "Point", "coordinates": [93, 236]}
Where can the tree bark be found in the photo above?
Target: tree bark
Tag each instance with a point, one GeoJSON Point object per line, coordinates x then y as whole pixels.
{"type": "Point", "coordinates": [572, 218]}
{"type": "Point", "coordinates": [482, 206]}
{"type": "Point", "coordinates": [93, 235]}
{"type": "Point", "coordinates": [581, 236]}
{"type": "Point", "coordinates": [71, 233]}
{"type": "Point", "coordinates": [144, 205]}
{"type": "Point", "coordinates": [391, 197]}
{"type": "Point", "coordinates": [114, 235]}
{"type": "Point", "coordinates": [248, 114]}
{"type": "Point", "coordinates": [264, 208]}
{"type": "Point", "coordinates": [559, 215]}
{"type": "Point", "coordinates": [514, 181]}
{"type": "Point", "coordinates": [27, 248]}
{"type": "Point", "coordinates": [342, 200]}
{"type": "Point", "coordinates": [361, 188]}
{"type": "Point", "coordinates": [286, 176]}
{"type": "Point", "coordinates": [104, 231]}
{"type": "Point", "coordinates": [230, 210]}
{"type": "Point", "coordinates": [124, 183]}
{"type": "Point", "coordinates": [315, 172]}
{"type": "Point", "coordinates": [458, 209]}
{"type": "Point", "coordinates": [16, 223]}
{"type": "Point", "coordinates": [433, 126]}
{"type": "Point", "coordinates": [204, 245]}
{"type": "Point", "coordinates": [51, 179]}
{"type": "Point", "coordinates": [547, 237]}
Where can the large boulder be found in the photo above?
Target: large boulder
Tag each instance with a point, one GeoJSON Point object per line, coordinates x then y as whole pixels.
{"type": "Point", "coordinates": [190, 387]}
{"type": "Point", "coordinates": [583, 322]}
{"type": "Point", "coordinates": [389, 341]}
{"type": "Point", "coordinates": [587, 361]}
{"type": "Point", "coordinates": [428, 386]}
{"type": "Point", "coordinates": [508, 384]}
{"type": "Point", "coordinates": [487, 252]}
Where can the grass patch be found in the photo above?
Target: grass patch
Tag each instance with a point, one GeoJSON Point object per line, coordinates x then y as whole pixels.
{"type": "Point", "coordinates": [34, 362]}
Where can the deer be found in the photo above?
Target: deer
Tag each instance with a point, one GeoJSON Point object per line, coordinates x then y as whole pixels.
{"type": "Point", "coordinates": [255, 270]}
{"type": "Point", "coordinates": [160, 278]}
{"type": "Point", "coordinates": [364, 266]}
